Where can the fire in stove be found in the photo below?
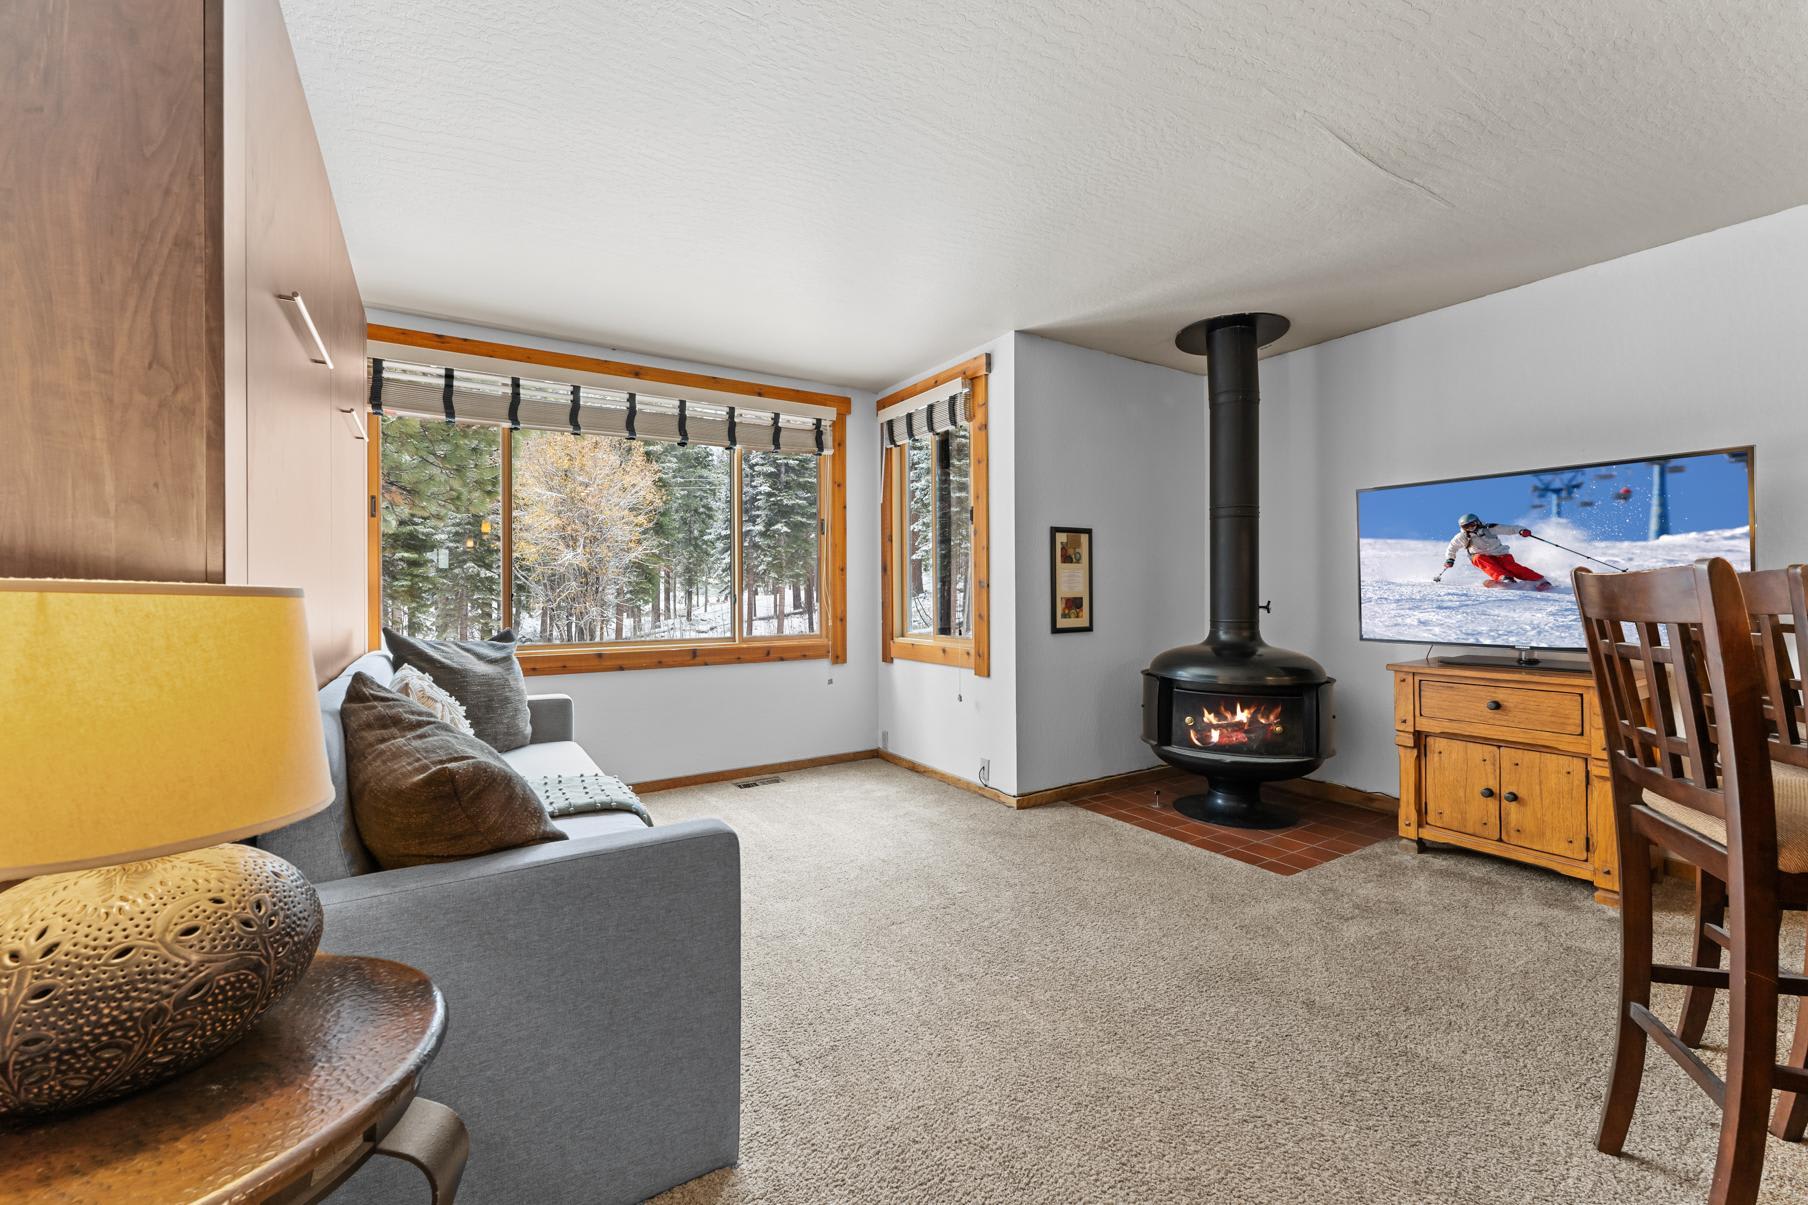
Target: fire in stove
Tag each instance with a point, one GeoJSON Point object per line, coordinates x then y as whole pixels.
{"type": "Point", "coordinates": [1236, 723]}
{"type": "Point", "coordinates": [1241, 724]}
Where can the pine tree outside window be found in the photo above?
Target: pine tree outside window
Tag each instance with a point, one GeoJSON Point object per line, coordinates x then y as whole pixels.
{"type": "Point", "coordinates": [938, 524]}
{"type": "Point", "coordinates": [441, 513]}
{"type": "Point", "coordinates": [781, 548]}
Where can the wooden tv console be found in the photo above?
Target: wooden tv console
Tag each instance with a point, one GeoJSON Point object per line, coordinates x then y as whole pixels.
{"type": "Point", "coordinates": [1507, 761]}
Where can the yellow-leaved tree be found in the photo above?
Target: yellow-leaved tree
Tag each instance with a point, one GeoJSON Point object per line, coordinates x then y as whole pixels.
{"type": "Point", "coordinates": [582, 509]}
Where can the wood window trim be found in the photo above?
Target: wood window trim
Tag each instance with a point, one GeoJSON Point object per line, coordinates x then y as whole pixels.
{"type": "Point", "coordinates": [830, 644]}
{"type": "Point", "coordinates": [588, 659]}
{"type": "Point", "coordinates": [373, 529]}
{"type": "Point", "coordinates": [968, 652]}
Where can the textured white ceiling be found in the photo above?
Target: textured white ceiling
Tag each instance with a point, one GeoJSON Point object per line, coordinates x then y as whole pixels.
{"type": "Point", "coordinates": [848, 192]}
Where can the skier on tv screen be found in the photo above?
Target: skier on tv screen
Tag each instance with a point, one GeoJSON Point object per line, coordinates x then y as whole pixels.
{"type": "Point", "coordinates": [1489, 553]}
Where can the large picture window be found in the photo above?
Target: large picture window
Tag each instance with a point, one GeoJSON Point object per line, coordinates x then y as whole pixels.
{"type": "Point", "coordinates": [605, 549]}
{"type": "Point", "coordinates": [934, 519]}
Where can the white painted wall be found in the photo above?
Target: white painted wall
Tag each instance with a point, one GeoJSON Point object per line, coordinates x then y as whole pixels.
{"type": "Point", "coordinates": [1698, 344]}
{"type": "Point", "coordinates": [1293, 539]}
{"type": "Point", "coordinates": [1118, 446]}
{"type": "Point", "coordinates": [940, 715]}
{"type": "Point", "coordinates": [661, 723]}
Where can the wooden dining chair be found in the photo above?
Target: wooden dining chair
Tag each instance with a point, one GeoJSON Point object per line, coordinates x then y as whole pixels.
{"type": "Point", "coordinates": [1776, 600]}
{"type": "Point", "coordinates": [1691, 777]}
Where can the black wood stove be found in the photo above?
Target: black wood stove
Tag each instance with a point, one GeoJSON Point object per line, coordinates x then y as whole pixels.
{"type": "Point", "coordinates": [1235, 708]}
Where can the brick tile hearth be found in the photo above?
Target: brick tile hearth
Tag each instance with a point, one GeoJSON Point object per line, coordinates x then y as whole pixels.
{"type": "Point", "coordinates": [1325, 830]}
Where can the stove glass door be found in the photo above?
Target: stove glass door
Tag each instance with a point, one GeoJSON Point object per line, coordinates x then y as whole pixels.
{"type": "Point", "coordinates": [1241, 725]}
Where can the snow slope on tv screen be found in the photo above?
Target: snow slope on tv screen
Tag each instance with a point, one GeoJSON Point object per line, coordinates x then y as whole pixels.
{"type": "Point", "coordinates": [1400, 603]}
{"type": "Point", "coordinates": [1405, 531]}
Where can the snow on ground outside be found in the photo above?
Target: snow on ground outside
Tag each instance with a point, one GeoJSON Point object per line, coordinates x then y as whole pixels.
{"type": "Point", "coordinates": [707, 622]}
{"type": "Point", "coordinates": [1401, 603]}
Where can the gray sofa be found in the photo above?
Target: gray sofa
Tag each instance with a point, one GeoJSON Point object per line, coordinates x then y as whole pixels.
{"type": "Point", "coordinates": [593, 986]}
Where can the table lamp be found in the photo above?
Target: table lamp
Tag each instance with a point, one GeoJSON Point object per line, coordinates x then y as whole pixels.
{"type": "Point", "coordinates": [141, 725]}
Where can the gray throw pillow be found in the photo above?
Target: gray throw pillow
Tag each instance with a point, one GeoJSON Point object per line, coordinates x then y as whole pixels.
{"type": "Point", "coordinates": [422, 791]}
{"type": "Point", "coordinates": [481, 674]}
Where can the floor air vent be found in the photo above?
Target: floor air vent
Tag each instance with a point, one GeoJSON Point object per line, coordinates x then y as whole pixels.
{"type": "Point", "coordinates": [756, 782]}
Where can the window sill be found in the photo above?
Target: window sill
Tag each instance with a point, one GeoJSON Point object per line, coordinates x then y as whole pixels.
{"type": "Point", "coordinates": [551, 659]}
{"type": "Point", "coordinates": [933, 651]}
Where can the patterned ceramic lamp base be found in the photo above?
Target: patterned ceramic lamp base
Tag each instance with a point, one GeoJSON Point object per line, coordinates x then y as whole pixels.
{"type": "Point", "coordinates": [114, 979]}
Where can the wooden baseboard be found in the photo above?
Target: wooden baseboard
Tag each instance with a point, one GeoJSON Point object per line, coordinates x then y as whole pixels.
{"type": "Point", "coordinates": [1073, 790]}
{"type": "Point", "coordinates": [1335, 792]}
{"type": "Point", "coordinates": [654, 785]}
{"type": "Point", "coordinates": [1092, 786]}
{"type": "Point", "coordinates": [1674, 868]}
{"type": "Point", "coordinates": [953, 780]}
{"type": "Point", "coordinates": [1309, 788]}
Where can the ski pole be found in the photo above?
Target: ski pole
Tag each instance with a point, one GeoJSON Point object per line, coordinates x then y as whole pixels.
{"type": "Point", "coordinates": [1597, 560]}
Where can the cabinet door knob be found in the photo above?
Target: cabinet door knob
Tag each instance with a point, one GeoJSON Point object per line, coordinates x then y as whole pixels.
{"type": "Point", "coordinates": [1487, 792]}
{"type": "Point", "coordinates": [1510, 797]}
{"type": "Point", "coordinates": [1493, 704]}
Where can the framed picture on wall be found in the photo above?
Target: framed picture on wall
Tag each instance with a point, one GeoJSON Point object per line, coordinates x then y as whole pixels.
{"type": "Point", "coordinates": [1070, 579]}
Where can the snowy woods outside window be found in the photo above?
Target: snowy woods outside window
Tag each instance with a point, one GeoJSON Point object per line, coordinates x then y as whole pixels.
{"type": "Point", "coordinates": [611, 539]}
{"type": "Point", "coordinates": [938, 532]}
{"type": "Point", "coordinates": [780, 549]}
{"type": "Point", "coordinates": [441, 508]}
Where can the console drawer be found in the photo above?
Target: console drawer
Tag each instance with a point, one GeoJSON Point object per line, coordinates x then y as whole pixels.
{"type": "Point", "coordinates": [1554, 711]}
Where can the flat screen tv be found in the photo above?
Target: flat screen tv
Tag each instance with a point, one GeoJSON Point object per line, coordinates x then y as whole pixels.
{"type": "Point", "coordinates": [1510, 589]}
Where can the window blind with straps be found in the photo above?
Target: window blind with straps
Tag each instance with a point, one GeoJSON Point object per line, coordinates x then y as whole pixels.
{"type": "Point", "coordinates": [427, 391]}
{"type": "Point", "coordinates": [942, 409]}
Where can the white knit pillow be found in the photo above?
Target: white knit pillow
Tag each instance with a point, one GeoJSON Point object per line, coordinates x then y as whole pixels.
{"type": "Point", "coordinates": [412, 682]}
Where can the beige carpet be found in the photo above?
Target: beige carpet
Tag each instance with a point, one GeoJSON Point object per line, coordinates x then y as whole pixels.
{"type": "Point", "coordinates": [950, 1001]}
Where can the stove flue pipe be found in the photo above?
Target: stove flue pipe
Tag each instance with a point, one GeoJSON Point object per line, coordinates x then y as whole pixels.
{"type": "Point", "coordinates": [1236, 480]}
{"type": "Point", "coordinates": [1229, 343]}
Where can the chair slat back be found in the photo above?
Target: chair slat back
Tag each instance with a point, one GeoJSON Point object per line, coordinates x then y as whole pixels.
{"type": "Point", "coordinates": [1777, 600]}
{"type": "Point", "coordinates": [1695, 732]}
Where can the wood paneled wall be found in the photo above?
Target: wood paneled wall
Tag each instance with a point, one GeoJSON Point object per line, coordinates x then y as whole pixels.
{"type": "Point", "coordinates": [162, 415]}
{"type": "Point", "coordinates": [111, 437]}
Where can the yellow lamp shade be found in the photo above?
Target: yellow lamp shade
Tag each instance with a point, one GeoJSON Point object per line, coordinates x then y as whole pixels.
{"type": "Point", "coordinates": [143, 718]}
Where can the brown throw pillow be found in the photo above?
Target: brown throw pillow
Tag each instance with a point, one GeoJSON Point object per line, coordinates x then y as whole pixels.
{"type": "Point", "coordinates": [424, 792]}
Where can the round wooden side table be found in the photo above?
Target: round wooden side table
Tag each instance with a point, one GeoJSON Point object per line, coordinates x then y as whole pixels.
{"type": "Point", "coordinates": [324, 1081]}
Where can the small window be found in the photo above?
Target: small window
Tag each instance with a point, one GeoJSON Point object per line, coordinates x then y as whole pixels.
{"type": "Point", "coordinates": [934, 503]}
